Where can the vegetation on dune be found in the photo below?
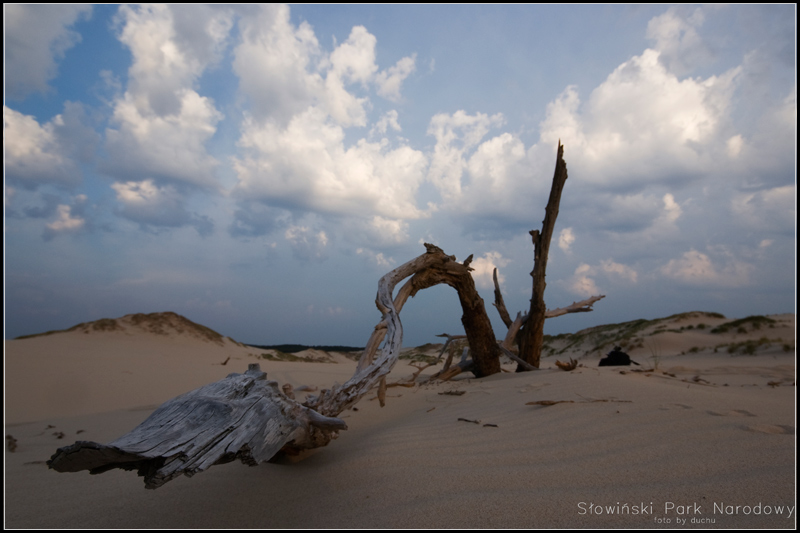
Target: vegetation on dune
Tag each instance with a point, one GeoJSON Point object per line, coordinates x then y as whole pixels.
{"type": "Point", "coordinates": [162, 323]}
{"type": "Point", "coordinates": [750, 347]}
{"type": "Point", "coordinates": [693, 314]}
{"type": "Point", "coordinates": [278, 355]}
{"type": "Point", "coordinates": [755, 322]}
{"type": "Point", "coordinates": [600, 337]}
{"type": "Point", "coordinates": [418, 355]}
{"type": "Point", "coordinates": [104, 324]}
{"type": "Point", "coordinates": [631, 335]}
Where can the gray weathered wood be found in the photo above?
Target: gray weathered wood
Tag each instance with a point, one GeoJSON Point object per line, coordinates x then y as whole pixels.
{"type": "Point", "coordinates": [243, 416]}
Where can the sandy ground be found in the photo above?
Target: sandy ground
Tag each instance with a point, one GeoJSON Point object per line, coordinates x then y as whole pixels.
{"type": "Point", "coordinates": [705, 440]}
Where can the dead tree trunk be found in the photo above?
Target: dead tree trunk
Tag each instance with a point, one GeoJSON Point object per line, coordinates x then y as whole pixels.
{"type": "Point", "coordinates": [532, 334]}
{"type": "Point", "coordinates": [480, 335]}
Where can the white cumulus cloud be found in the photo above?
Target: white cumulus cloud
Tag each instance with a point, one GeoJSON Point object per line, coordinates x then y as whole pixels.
{"type": "Point", "coordinates": [581, 283]}
{"type": "Point", "coordinates": [296, 150]}
{"type": "Point", "coordinates": [697, 268]}
{"type": "Point", "coordinates": [390, 81]}
{"type": "Point", "coordinates": [456, 135]}
{"type": "Point", "coordinates": [69, 219]}
{"type": "Point", "coordinates": [307, 166]}
{"type": "Point", "coordinates": [160, 125]}
{"type": "Point", "coordinates": [565, 239]}
{"type": "Point", "coordinates": [36, 36]}
{"type": "Point", "coordinates": [483, 269]}
{"type": "Point", "coordinates": [617, 269]}
{"type": "Point", "coordinates": [677, 38]}
{"type": "Point", "coordinates": [307, 244]}
{"type": "Point", "coordinates": [37, 154]}
{"type": "Point", "coordinates": [154, 206]}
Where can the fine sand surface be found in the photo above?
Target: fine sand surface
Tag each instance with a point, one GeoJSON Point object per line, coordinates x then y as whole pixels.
{"type": "Point", "coordinates": [705, 440]}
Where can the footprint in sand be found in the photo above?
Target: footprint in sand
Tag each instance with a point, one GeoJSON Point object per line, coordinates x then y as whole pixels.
{"type": "Point", "coordinates": [734, 412]}
{"type": "Point", "coordinates": [770, 429]}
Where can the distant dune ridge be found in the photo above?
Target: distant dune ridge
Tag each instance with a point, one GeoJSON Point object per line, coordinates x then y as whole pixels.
{"type": "Point", "coordinates": [166, 323]}
{"type": "Point", "coordinates": [708, 419]}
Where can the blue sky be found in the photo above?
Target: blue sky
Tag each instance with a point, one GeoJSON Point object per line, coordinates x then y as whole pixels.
{"type": "Point", "coordinates": [258, 168]}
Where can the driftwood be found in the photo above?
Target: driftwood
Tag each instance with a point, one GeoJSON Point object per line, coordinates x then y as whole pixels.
{"type": "Point", "coordinates": [249, 418]}
{"type": "Point", "coordinates": [449, 371]}
{"type": "Point", "coordinates": [450, 338]}
{"type": "Point", "coordinates": [569, 366]}
{"type": "Point", "coordinates": [243, 416]}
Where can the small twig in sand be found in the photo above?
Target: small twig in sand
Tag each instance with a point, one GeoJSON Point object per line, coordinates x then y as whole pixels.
{"type": "Point", "coordinates": [571, 365]}
{"type": "Point", "coordinates": [414, 377]}
{"type": "Point", "coordinates": [468, 420]}
{"type": "Point", "coordinates": [587, 400]}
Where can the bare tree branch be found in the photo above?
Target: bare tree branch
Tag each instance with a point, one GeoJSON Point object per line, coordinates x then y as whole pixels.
{"type": "Point", "coordinates": [499, 303]}
{"type": "Point", "coordinates": [584, 306]}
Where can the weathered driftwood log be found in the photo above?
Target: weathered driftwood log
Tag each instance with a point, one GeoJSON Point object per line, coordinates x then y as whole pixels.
{"type": "Point", "coordinates": [243, 416]}
{"type": "Point", "coordinates": [246, 417]}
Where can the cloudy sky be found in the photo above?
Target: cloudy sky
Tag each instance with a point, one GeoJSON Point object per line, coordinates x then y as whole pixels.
{"type": "Point", "coordinates": [258, 169]}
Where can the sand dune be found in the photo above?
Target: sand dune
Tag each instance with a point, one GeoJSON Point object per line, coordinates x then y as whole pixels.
{"type": "Point", "coordinates": [706, 439]}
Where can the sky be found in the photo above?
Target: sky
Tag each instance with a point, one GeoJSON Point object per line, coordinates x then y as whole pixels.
{"type": "Point", "coordinates": [257, 169]}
